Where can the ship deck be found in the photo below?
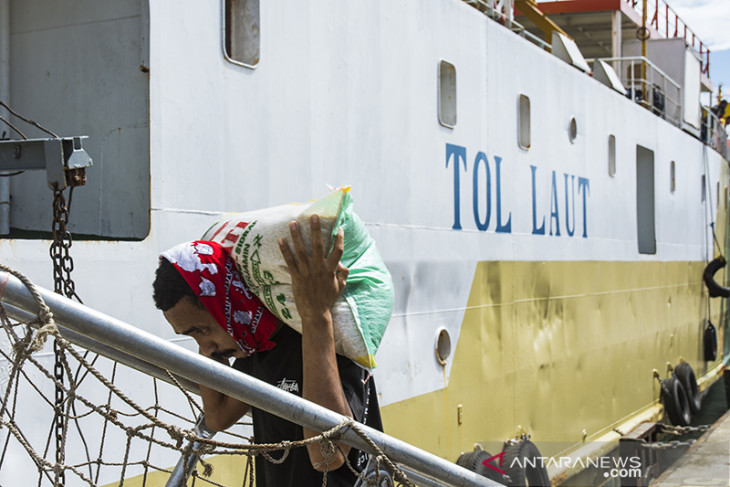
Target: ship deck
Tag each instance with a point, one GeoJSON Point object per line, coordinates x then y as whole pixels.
{"type": "Point", "coordinates": [599, 27]}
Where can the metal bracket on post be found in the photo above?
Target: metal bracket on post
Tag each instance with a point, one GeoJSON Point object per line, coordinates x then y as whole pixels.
{"type": "Point", "coordinates": [64, 159]}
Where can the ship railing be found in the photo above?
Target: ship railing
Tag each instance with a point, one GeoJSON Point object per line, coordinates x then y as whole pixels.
{"type": "Point", "coordinates": [520, 30]}
{"type": "Point", "coordinates": [501, 11]}
{"type": "Point", "coordinates": [713, 132]}
{"type": "Point", "coordinates": [150, 354]}
{"type": "Point", "coordinates": [649, 86]}
{"type": "Point", "coordinates": [665, 21]}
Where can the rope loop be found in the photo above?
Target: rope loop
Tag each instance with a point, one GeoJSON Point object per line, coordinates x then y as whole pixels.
{"type": "Point", "coordinates": [44, 312]}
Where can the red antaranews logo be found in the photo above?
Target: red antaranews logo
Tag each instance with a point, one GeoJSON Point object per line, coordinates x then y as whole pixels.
{"type": "Point", "coordinates": [496, 469]}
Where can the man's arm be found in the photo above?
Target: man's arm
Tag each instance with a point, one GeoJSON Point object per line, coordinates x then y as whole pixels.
{"type": "Point", "coordinates": [221, 411]}
{"type": "Point", "coordinates": [317, 282]}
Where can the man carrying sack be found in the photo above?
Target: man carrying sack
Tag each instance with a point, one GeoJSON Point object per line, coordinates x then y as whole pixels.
{"type": "Point", "coordinates": [203, 295]}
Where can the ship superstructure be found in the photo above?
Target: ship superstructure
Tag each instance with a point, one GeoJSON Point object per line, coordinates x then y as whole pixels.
{"type": "Point", "coordinates": [546, 210]}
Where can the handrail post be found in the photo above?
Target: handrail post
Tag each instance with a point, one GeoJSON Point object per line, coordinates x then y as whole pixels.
{"type": "Point", "coordinates": [186, 463]}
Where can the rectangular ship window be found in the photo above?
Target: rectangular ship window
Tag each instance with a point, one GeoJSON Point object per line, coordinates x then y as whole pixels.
{"type": "Point", "coordinates": [523, 120]}
{"type": "Point", "coordinates": [672, 177]}
{"type": "Point", "coordinates": [645, 223]}
{"type": "Point", "coordinates": [243, 32]}
{"type": "Point", "coordinates": [447, 94]}
{"type": "Point", "coordinates": [612, 155]}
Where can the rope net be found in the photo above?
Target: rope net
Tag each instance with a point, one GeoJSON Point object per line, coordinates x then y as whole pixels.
{"type": "Point", "coordinates": [108, 438]}
{"type": "Point", "coordinates": [105, 436]}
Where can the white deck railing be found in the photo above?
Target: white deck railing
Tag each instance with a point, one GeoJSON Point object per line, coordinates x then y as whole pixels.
{"type": "Point", "coordinates": [649, 86]}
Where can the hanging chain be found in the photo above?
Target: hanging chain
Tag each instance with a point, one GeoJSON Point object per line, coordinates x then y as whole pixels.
{"type": "Point", "coordinates": [63, 265]}
{"type": "Point", "coordinates": [58, 418]}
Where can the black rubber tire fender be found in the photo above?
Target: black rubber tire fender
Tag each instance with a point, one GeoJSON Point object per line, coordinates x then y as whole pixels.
{"type": "Point", "coordinates": [675, 402]}
{"type": "Point", "coordinates": [686, 376]}
{"type": "Point", "coordinates": [708, 275]}
{"type": "Point", "coordinates": [522, 473]}
{"type": "Point", "coordinates": [710, 342]}
{"type": "Point", "coordinates": [474, 461]}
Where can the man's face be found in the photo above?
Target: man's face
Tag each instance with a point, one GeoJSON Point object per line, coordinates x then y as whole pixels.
{"type": "Point", "coordinates": [188, 319]}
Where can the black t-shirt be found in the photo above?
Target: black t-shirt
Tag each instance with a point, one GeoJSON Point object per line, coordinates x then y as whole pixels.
{"type": "Point", "coordinates": [282, 367]}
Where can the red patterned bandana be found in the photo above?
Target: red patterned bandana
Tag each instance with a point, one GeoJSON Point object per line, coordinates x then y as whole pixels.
{"type": "Point", "coordinates": [212, 274]}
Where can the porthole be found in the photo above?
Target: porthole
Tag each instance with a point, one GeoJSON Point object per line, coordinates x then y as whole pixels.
{"type": "Point", "coordinates": [572, 130]}
{"type": "Point", "coordinates": [443, 346]}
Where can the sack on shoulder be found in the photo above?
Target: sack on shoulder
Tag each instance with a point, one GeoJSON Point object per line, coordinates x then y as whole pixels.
{"type": "Point", "coordinates": [361, 314]}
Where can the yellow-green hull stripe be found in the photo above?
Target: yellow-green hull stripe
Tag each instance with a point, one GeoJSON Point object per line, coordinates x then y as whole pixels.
{"type": "Point", "coordinates": [566, 366]}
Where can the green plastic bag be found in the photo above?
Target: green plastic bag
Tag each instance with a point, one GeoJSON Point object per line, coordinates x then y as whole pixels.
{"type": "Point", "coordinates": [362, 312]}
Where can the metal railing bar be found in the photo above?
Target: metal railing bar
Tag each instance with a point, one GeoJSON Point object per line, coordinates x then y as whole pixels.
{"type": "Point", "coordinates": [646, 60]}
{"type": "Point", "coordinates": [201, 370]}
{"type": "Point", "coordinates": [655, 79]}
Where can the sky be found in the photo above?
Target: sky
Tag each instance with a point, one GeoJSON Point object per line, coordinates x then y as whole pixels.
{"type": "Point", "coordinates": [710, 20]}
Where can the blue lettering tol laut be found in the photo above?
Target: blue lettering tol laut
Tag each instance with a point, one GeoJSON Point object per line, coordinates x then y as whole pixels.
{"type": "Point", "coordinates": [570, 216]}
{"type": "Point", "coordinates": [458, 152]}
{"type": "Point", "coordinates": [482, 157]}
{"type": "Point", "coordinates": [456, 155]}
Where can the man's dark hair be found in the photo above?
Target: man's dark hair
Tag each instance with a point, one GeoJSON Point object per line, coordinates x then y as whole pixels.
{"type": "Point", "coordinates": [170, 287]}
